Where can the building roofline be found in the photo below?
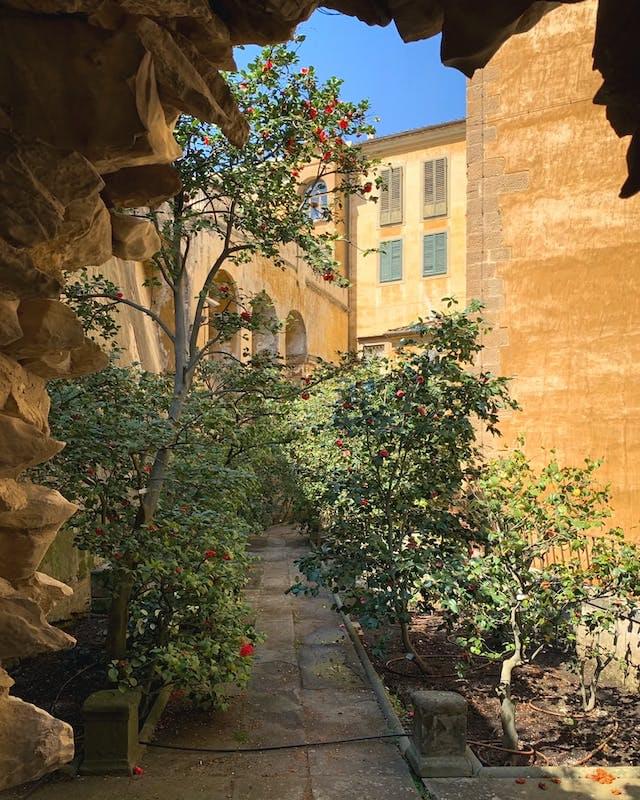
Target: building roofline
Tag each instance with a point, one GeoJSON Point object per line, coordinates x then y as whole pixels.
{"type": "Point", "coordinates": [428, 135]}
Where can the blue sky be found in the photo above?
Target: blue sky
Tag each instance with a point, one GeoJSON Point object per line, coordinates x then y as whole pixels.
{"type": "Point", "coordinates": [407, 85]}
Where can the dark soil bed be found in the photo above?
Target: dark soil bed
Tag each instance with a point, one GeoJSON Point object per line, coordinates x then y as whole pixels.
{"type": "Point", "coordinates": [60, 682]}
{"type": "Point", "coordinates": [552, 726]}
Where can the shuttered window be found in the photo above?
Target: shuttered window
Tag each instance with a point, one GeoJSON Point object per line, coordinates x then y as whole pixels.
{"type": "Point", "coordinates": [435, 254]}
{"type": "Point", "coordinates": [391, 196]}
{"type": "Point", "coordinates": [391, 261]}
{"type": "Point", "coordinates": [435, 188]}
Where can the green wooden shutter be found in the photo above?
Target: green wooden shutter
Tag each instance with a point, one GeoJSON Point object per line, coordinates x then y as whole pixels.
{"type": "Point", "coordinates": [435, 254]}
{"type": "Point", "coordinates": [391, 261]}
{"type": "Point", "coordinates": [385, 217]}
{"type": "Point", "coordinates": [435, 188]}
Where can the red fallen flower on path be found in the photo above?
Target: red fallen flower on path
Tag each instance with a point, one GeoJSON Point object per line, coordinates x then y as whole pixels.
{"type": "Point", "coordinates": [247, 650]}
{"type": "Point", "coordinates": [343, 124]}
{"type": "Point", "coordinates": [339, 442]}
{"type": "Point", "coordinates": [268, 64]}
{"type": "Point", "coordinates": [521, 780]}
{"type": "Point", "coordinates": [383, 453]}
{"type": "Point", "coordinates": [400, 394]}
{"type": "Point", "coordinates": [422, 411]}
{"type": "Point", "coordinates": [138, 771]}
{"type": "Point", "coordinates": [304, 71]}
{"type": "Point", "coordinates": [247, 316]}
{"type": "Point", "coordinates": [210, 554]}
{"type": "Point", "coordinates": [367, 187]}
{"type": "Point", "coordinates": [305, 395]}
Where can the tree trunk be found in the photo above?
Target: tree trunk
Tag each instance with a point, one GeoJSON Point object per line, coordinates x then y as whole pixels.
{"type": "Point", "coordinates": [119, 619]}
{"type": "Point", "coordinates": [510, 738]}
{"type": "Point", "coordinates": [409, 648]}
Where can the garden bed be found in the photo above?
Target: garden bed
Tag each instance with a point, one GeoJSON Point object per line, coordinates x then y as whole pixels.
{"type": "Point", "coordinates": [564, 737]}
{"type": "Point", "coordinates": [61, 681]}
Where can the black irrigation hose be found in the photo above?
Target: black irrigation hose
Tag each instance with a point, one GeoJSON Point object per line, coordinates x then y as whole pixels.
{"type": "Point", "coordinates": [271, 748]}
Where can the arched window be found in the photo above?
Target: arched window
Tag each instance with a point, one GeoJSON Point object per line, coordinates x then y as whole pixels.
{"type": "Point", "coordinates": [317, 200]}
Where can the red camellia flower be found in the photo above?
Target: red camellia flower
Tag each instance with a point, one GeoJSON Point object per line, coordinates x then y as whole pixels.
{"type": "Point", "coordinates": [343, 124]}
{"type": "Point", "coordinates": [367, 187]}
{"type": "Point", "coordinates": [304, 71]}
{"type": "Point", "coordinates": [206, 139]}
{"type": "Point", "coordinates": [321, 134]}
{"type": "Point", "coordinates": [147, 469]}
{"type": "Point", "coordinates": [364, 502]}
{"type": "Point", "coordinates": [400, 394]}
{"type": "Point", "coordinates": [347, 405]}
{"type": "Point", "coordinates": [138, 771]}
{"type": "Point", "coordinates": [210, 554]}
{"type": "Point", "coordinates": [247, 650]}
{"type": "Point", "coordinates": [295, 173]}
{"type": "Point", "coordinates": [117, 556]}
{"type": "Point", "coordinates": [305, 395]}
{"type": "Point", "coordinates": [329, 109]}
{"type": "Point", "coordinates": [250, 110]}
{"type": "Point", "coordinates": [370, 421]}
{"type": "Point", "coordinates": [422, 411]}
{"type": "Point", "coordinates": [247, 316]}
{"type": "Point", "coordinates": [268, 65]}
{"type": "Point", "coordinates": [119, 295]}
{"type": "Point", "coordinates": [328, 276]}
{"type": "Point", "coordinates": [339, 442]}
{"type": "Point", "coordinates": [226, 557]}
{"type": "Point", "coordinates": [224, 289]}
{"type": "Point", "coordinates": [327, 156]}
{"type": "Point", "coordinates": [420, 380]}
{"type": "Point", "coordinates": [313, 112]}
{"type": "Point", "coordinates": [383, 453]}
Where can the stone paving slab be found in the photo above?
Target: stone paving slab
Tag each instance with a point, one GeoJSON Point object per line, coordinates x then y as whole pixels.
{"type": "Point", "coordinates": [626, 786]}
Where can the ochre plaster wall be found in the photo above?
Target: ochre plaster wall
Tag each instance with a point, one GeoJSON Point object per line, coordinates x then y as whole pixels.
{"type": "Point", "coordinates": [380, 307]}
{"type": "Point", "coordinates": [555, 254]}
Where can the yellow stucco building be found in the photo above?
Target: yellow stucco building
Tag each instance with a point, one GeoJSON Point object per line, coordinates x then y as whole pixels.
{"type": "Point", "coordinates": [408, 250]}
{"type": "Point", "coordinates": [555, 254]}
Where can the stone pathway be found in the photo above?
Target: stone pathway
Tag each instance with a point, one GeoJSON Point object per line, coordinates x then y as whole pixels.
{"type": "Point", "coordinates": [307, 686]}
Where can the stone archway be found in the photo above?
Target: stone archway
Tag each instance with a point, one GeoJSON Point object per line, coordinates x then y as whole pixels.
{"type": "Point", "coordinates": [265, 340]}
{"type": "Point", "coordinates": [296, 342]}
{"type": "Point", "coordinates": [223, 299]}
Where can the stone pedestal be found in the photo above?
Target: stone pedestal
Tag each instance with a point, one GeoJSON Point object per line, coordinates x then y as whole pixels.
{"type": "Point", "coordinates": [110, 733]}
{"type": "Point", "coordinates": [439, 742]}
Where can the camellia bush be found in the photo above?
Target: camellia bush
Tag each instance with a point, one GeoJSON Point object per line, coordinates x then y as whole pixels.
{"type": "Point", "coordinates": [250, 200]}
{"type": "Point", "coordinates": [404, 435]}
{"type": "Point", "coordinates": [188, 625]}
{"type": "Point", "coordinates": [540, 578]}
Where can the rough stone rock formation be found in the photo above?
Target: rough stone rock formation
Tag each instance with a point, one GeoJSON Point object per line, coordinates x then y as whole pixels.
{"type": "Point", "coordinates": [90, 91]}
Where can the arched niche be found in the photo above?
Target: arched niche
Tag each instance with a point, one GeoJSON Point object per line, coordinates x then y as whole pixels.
{"type": "Point", "coordinates": [296, 340]}
{"type": "Point", "coordinates": [265, 340]}
{"type": "Point", "coordinates": [223, 299]}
